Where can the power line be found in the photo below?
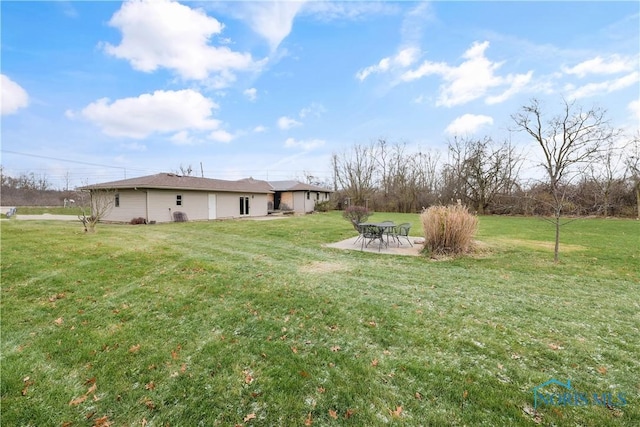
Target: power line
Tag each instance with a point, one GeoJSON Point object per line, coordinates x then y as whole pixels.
{"type": "Point", "coordinates": [68, 160]}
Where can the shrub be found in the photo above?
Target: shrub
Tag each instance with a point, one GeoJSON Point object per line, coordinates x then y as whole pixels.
{"type": "Point", "coordinates": [138, 220]}
{"type": "Point", "coordinates": [449, 229]}
{"type": "Point", "coordinates": [356, 215]}
{"type": "Point", "coordinates": [324, 206]}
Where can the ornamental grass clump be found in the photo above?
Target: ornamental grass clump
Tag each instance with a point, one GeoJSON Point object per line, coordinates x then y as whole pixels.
{"type": "Point", "coordinates": [448, 230]}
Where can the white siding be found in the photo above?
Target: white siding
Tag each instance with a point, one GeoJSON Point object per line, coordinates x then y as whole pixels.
{"type": "Point", "coordinates": [159, 205]}
{"type": "Point", "coordinates": [163, 203]}
{"type": "Point", "coordinates": [229, 205]}
{"type": "Point", "coordinates": [132, 205]}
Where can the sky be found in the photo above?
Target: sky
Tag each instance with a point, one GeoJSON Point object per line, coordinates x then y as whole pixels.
{"type": "Point", "coordinates": [101, 91]}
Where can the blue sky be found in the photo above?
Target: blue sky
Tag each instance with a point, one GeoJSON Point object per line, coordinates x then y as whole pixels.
{"type": "Point", "coordinates": [98, 91]}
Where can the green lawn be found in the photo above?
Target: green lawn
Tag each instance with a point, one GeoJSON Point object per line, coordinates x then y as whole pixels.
{"type": "Point", "coordinates": [256, 323]}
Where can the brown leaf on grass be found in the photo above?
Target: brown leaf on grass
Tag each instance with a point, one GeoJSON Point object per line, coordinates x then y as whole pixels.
{"type": "Point", "coordinates": [90, 381]}
{"type": "Point", "coordinates": [174, 355]}
{"type": "Point", "coordinates": [27, 383]}
{"type": "Point", "coordinates": [59, 321]}
{"type": "Point", "coordinates": [333, 414]}
{"type": "Point", "coordinates": [349, 413]}
{"type": "Point", "coordinates": [102, 422]}
{"type": "Point", "coordinates": [374, 362]}
{"type": "Point", "coordinates": [373, 324]}
{"type": "Point", "coordinates": [537, 418]}
{"type": "Point", "coordinates": [92, 389]}
{"type": "Point", "coordinates": [248, 378]}
{"type": "Point", "coordinates": [67, 424]}
{"type": "Point", "coordinates": [465, 394]}
{"type": "Point", "coordinates": [78, 400]}
{"type": "Point", "coordinates": [321, 390]}
{"type": "Point", "coordinates": [308, 421]}
{"type": "Point", "coordinates": [602, 370]}
{"type": "Point", "coordinates": [249, 417]}
{"type": "Point", "coordinates": [149, 403]}
{"type": "Point", "coordinates": [134, 348]}
{"type": "Point", "coordinates": [554, 346]}
{"type": "Point", "coordinates": [90, 415]}
{"type": "Point", "coordinates": [418, 396]}
{"type": "Point", "coordinates": [294, 349]}
{"type": "Point", "coordinates": [304, 374]}
{"type": "Point", "coordinates": [143, 423]}
{"type": "Point", "coordinates": [150, 386]}
{"type": "Point", "coordinates": [397, 412]}
{"type": "Point", "coordinates": [335, 348]}
{"type": "Point", "coordinates": [183, 368]}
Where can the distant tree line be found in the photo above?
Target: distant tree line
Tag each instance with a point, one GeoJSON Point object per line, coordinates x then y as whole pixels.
{"type": "Point", "coordinates": [30, 189]}
{"type": "Point", "coordinates": [585, 170]}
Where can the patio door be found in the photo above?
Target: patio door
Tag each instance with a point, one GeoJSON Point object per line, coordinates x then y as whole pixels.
{"type": "Point", "coordinates": [212, 206]}
{"type": "Point", "coordinates": [244, 205]}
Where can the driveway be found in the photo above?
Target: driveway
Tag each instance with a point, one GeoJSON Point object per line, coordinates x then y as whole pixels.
{"type": "Point", "coordinates": [45, 217]}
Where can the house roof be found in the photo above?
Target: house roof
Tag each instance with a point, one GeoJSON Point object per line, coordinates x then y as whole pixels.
{"type": "Point", "coordinates": [296, 186]}
{"type": "Point", "coordinates": [178, 182]}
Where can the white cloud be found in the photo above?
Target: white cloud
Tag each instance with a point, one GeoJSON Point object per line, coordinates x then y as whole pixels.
{"type": "Point", "coordinates": [470, 80]}
{"type": "Point", "coordinates": [348, 10]}
{"type": "Point", "coordinates": [259, 129]}
{"type": "Point", "coordinates": [164, 33]}
{"type": "Point", "coordinates": [468, 124]}
{"type": "Point", "coordinates": [272, 20]}
{"type": "Point", "coordinates": [598, 65]}
{"type": "Point", "coordinates": [159, 112]}
{"type": "Point", "coordinates": [592, 89]}
{"type": "Point", "coordinates": [251, 94]}
{"type": "Point", "coordinates": [517, 83]}
{"type": "Point", "coordinates": [285, 123]}
{"type": "Point", "coordinates": [14, 97]}
{"type": "Point", "coordinates": [404, 58]}
{"type": "Point", "coordinates": [221, 136]}
{"type": "Point", "coordinates": [314, 109]}
{"type": "Point", "coordinates": [182, 138]}
{"type": "Point", "coordinates": [306, 145]}
{"type": "Point", "coordinates": [634, 107]}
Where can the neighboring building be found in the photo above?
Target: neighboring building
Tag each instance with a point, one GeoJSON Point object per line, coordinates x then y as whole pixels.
{"type": "Point", "coordinates": [158, 197]}
{"type": "Point", "coordinates": [296, 196]}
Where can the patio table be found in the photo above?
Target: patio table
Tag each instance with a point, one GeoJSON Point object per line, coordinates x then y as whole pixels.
{"type": "Point", "coordinates": [385, 227]}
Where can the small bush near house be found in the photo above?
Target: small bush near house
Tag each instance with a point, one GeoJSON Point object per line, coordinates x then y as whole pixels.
{"type": "Point", "coordinates": [139, 220]}
{"type": "Point", "coordinates": [324, 206]}
{"type": "Point", "coordinates": [356, 215]}
{"type": "Point", "coordinates": [448, 230]}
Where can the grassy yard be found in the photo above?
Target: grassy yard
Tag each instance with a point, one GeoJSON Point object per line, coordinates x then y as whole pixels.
{"type": "Point", "coordinates": [256, 323]}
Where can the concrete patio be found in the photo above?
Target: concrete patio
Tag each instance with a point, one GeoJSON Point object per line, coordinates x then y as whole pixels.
{"type": "Point", "coordinates": [393, 249]}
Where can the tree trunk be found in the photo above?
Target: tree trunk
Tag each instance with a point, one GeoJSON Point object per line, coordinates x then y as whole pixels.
{"type": "Point", "coordinates": [556, 248]}
{"type": "Point", "coordinates": [638, 197]}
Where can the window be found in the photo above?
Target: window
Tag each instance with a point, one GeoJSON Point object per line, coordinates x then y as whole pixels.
{"type": "Point", "coordinates": [244, 205]}
{"type": "Point", "coordinates": [308, 195]}
{"type": "Point", "coordinates": [179, 200]}
{"type": "Point", "coordinates": [117, 200]}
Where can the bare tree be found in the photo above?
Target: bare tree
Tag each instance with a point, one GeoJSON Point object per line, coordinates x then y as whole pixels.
{"type": "Point", "coordinates": [568, 141]}
{"type": "Point", "coordinates": [100, 201]}
{"type": "Point", "coordinates": [607, 172]}
{"type": "Point", "coordinates": [354, 173]}
{"type": "Point", "coordinates": [484, 169]}
{"type": "Point", "coordinates": [633, 168]}
{"type": "Point", "coordinates": [185, 170]}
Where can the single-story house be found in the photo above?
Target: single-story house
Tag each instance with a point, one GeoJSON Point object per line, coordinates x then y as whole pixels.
{"type": "Point", "coordinates": [167, 197]}
{"type": "Point", "coordinates": [296, 196]}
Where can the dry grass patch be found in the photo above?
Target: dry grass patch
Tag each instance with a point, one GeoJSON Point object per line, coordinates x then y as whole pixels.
{"type": "Point", "coordinates": [319, 267]}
